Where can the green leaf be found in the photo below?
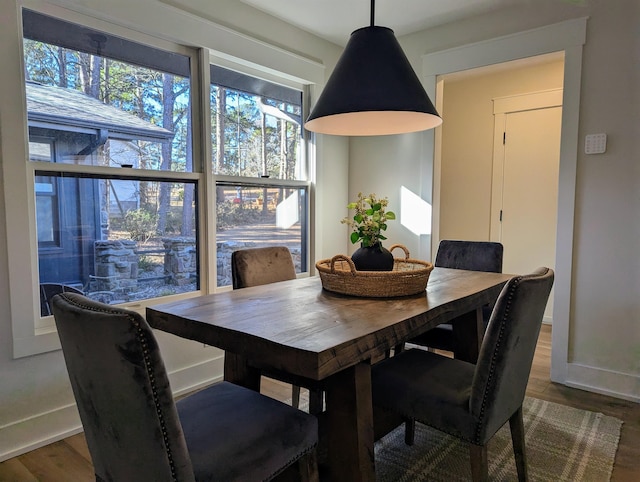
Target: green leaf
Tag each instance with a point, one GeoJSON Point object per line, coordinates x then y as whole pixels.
{"type": "Point", "coordinates": [391, 215]}
{"type": "Point", "coordinates": [354, 237]}
{"type": "Point", "coordinates": [377, 207]}
{"type": "Point", "coordinates": [358, 218]}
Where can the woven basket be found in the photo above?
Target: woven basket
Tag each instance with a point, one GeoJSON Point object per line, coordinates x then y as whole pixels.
{"type": "Point", "coordinates": [409, 277]}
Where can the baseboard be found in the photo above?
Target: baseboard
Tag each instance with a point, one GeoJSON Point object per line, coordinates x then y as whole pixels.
{"type": "Point", "coordinates": [22, 436]}
{"type": "Point", "coordinates": [28, 434]}
{"type": "Point", "coordinates": [604, 382]}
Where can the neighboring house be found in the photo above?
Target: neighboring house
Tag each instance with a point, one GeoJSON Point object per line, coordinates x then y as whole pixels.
{"type": "Point", "coordinates": [68, 126]}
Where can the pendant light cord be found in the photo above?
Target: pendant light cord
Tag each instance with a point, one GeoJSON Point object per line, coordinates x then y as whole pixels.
{"type": "Point", "coordinates": [373, 11]}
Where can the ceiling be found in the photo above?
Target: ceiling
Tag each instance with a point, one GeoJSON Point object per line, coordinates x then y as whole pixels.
{"type": "Point", "coordinates": [334, 20]}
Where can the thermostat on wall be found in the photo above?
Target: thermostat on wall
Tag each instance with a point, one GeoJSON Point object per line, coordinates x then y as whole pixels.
{"type": "Point", "coordinates": [595, 144]}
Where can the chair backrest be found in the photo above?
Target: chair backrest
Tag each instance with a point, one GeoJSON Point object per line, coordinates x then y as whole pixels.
{"type": "Point", "coordinates": [122, 392]}
{"type": "Point", "coordinates": [48, 291]}
{"type": "Point", "coordinates": [471, 255]}
{"type": "Point", "coordinates": [261, 266]}
{"type": "Point", "coordinates": [507, 350]}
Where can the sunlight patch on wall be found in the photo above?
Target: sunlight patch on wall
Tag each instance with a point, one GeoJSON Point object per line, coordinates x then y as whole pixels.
{"type": "Point", "coordinates": [287, 212]}
{"type": "Point", "coordinates": [415, 212]}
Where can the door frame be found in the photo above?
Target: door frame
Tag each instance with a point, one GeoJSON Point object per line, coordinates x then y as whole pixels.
{"type": "Point", "coordinates": [568, 37]}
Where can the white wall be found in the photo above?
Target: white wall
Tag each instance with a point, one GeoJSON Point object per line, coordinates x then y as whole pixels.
{"type": "Point", "coordinates": [36, 403]}
{"type": "Point", "coordinates": [467, 141]}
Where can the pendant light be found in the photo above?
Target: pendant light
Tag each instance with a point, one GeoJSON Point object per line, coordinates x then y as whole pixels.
{"type": "Point", "coordinates": [373, 90]}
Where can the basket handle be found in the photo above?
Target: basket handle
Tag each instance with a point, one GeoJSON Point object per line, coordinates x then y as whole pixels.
{"type": "Point", "coordinates": [343, 258]}
{"type": "Point", "coordinates": [404, 248]}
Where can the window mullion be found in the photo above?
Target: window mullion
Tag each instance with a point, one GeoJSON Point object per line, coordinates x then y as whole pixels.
{"type": "Point", "coordinates": [202, 155]}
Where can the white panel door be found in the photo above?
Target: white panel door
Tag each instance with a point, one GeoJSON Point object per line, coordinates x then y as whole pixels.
{"type": "Point", "coordinates": [524, 208]}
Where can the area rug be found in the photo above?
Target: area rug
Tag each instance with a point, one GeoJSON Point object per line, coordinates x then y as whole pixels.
{"type": "Point", "coordinates": [563, 444]}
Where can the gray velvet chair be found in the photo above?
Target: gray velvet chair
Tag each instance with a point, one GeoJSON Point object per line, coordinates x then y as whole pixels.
{"type": "Point", "coordinates": [470, 401]}
{"type": "Point", "coordinates": [470, 255]}
{"type": "Point", "coordinates": [260, 266]}
{"type": "Point", "coordinates": [136, 432]}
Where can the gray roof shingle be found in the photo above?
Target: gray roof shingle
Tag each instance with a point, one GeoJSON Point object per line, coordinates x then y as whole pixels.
{"type": "Point", "coordinates": [55, 105]}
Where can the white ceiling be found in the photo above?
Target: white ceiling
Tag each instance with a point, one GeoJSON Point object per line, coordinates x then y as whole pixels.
{"type": "Point", "coordinates": [334, 20]}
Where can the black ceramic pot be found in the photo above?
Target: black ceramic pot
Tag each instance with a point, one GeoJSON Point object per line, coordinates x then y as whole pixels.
{"type": "Point", "coordinates": [372, 258]}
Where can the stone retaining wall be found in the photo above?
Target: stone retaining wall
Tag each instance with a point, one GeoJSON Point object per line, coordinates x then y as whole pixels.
{"type": "Point", "coordinates": [180, 260]}
{"type": "Point", "coordinates": [116, 266]}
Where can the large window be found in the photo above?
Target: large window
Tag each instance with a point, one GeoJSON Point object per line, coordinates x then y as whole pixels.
{"type": "Point", "coordinates": [110, 146]}
{"type": "Point", "coordinates": [259, 160]}
{"type": "Point", "coordinates": [118, 192]}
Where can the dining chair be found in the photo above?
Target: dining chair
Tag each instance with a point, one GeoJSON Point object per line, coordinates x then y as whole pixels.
{"type": "Point", "coordinates": [136, 431]}
{"type": "Point", "coordinates": [48, 291]}
{"type": "Point", "coordinates": [469, 255]}
{"type": "Point", "coordinates": [259, 266]}
{"type": "Point", "coordinates": [471, 402]}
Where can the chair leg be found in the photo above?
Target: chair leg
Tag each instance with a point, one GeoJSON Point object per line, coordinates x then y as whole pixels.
{"type": "Point", "coordinates": [316, 401]}
{"type": "Point", "coordinates": [479, 463]}
{"type": "Point", "coordinates": [409, 431]}
{"type": "Point", "coordinates": [305, 469]}
{"type": "Point", "coordinates": [308, 467]}
{"type": "Point", "coordinates": [295, 396]}
{"type": "Point", "coordinates": [516, 424]}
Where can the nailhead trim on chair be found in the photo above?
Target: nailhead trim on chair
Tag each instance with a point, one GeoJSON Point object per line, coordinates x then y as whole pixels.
{"type": "Point", "coordinates": [145, 351]}
{"type": "Point", "coordinates": [492, 366]}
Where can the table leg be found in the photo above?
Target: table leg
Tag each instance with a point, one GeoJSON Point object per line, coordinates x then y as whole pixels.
{"type": "Point", "coordinates": [468, 331]}
{"type": "Point", "coordinates": [350, 425]}
{"type": "Point", "coordinates": [237, 370]}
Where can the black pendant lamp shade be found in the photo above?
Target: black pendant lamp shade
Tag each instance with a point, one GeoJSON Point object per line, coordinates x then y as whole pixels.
{"type": "Point", "coordinates": [373, 90]}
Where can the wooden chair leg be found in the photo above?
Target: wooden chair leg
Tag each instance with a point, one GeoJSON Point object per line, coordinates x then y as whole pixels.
{"type": "Point", "coordinates": [409, 431]}
{"type": "Point", "coordinates": [316, 401]}
{"type": "Point", "coordinates": [308, 467]}
{"type": "Point", "coordinates": [305, 469]}
{"type": "Point", "coordinates": [479, 463]}
{"type": "Point", "coordinates": [516, 424]}
{"type": "Point", "coordinates": [295, 396]}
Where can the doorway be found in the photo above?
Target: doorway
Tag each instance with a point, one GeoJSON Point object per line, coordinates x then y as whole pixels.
{"type": "Point", "coordinates": [568, 37]}
{"type": "Point", "coordinates": [504, 188]}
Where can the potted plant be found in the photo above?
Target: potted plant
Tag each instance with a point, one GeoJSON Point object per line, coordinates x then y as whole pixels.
{"type": "Point", "coordinates": [368, 223]}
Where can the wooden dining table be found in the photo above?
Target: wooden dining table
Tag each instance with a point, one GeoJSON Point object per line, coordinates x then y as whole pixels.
{"type": "Point", "coordinates": [298, 328]}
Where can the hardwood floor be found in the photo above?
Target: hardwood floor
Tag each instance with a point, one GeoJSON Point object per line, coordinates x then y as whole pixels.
{"type": "Point", "coordinates": [69, 461]}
